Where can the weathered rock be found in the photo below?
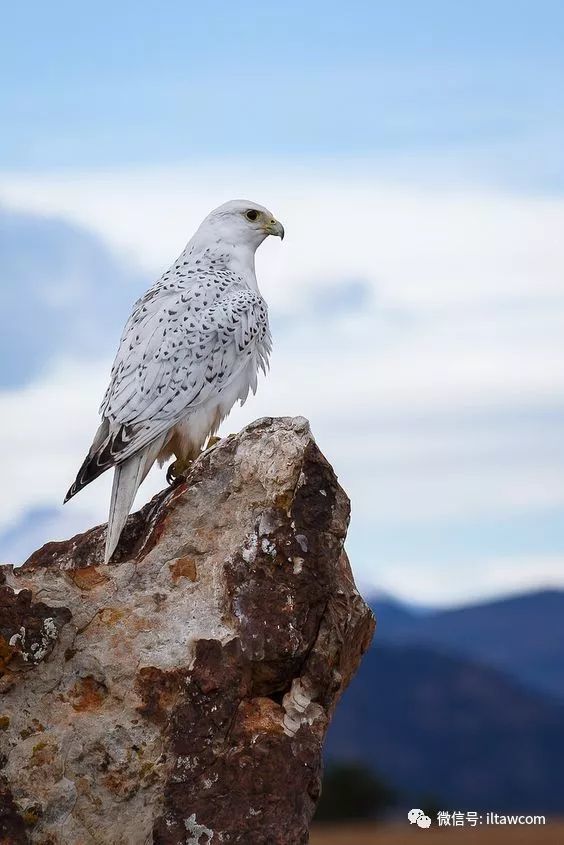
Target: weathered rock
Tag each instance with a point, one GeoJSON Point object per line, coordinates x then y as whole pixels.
{"type": "Point", "coordinates": [182, 693]}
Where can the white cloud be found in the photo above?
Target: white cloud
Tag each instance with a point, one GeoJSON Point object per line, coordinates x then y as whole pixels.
{"type": "Point", "coordinates": [452, 584]}
{"type": "Point", "coordinates": [423, 245]}
{"type": "Point", "coordinates": [413, 436]}
{"type": "Point", "coordinates": [45, 431]}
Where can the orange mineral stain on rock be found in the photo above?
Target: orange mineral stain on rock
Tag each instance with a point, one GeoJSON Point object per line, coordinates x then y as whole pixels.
{"type": "Point", "coordinates": [183, 567]}
{"type": "Point", "coordinates": [88, 577]}
{"type": "Point", "coordinates": [111, 615]}
{"type": "Point", "coordinates": [6, 654]}
{"type": "Point", "coordinates": [159, 691]}
{"type": "Point", "coordinates": [260, 715]}
{"type": "Point", "coordinates": [87, 694]}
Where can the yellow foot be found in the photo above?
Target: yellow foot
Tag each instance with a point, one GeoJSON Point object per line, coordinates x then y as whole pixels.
{"type": "Point", "coordinates": [178, 470]}
{"type": "Point", "coordinates": [211, 442]}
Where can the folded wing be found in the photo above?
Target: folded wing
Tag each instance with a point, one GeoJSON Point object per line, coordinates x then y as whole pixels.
{"type": "Point", "coordinates": [174, 354]}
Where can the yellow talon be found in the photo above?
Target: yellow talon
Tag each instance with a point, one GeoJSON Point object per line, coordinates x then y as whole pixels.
{"type": "Point", "coordinates": [178, 470]}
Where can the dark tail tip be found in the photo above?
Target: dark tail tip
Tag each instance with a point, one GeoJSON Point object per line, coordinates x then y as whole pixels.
{"type": "Point", "coordinates": [69, 495]}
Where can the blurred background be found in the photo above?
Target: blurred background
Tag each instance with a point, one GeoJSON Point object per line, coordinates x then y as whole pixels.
{"type": "Point", "coordinates": [415, 154]}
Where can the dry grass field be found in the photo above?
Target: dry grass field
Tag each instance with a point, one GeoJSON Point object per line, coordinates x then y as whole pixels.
{"type": "Point", "coordinates": [405, 834]}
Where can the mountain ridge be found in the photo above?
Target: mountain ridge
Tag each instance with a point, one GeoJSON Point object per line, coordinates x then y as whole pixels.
{"type": "Point", "coordinates": [521, 635]}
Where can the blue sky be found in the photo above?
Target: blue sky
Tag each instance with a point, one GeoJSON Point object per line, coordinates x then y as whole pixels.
{"type": "Point", "coordinates": [478, 83]}
{"type": "Point", "coordinates": [415, 153]}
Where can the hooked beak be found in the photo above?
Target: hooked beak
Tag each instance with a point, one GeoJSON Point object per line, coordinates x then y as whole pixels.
{"type": "Point", "coordinates": [273, 227]}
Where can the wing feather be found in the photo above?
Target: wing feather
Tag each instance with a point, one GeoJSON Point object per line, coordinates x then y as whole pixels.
{"type": "Point", "coordinates": [174, 354]}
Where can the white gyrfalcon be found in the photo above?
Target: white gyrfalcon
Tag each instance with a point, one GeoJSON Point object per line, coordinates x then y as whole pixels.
{"type": "Point", "coordinates": [191, 348]}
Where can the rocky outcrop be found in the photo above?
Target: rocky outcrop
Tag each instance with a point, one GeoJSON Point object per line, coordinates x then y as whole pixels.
{"type": "Point", "coordinates": [182, 693]}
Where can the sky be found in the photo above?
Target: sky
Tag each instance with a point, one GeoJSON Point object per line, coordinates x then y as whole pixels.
{"type": "Point", "coordinates": [415, 155]}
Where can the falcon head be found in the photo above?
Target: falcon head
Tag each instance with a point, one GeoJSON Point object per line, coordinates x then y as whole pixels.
{"type": "Point", "coordinates": [241, 223]}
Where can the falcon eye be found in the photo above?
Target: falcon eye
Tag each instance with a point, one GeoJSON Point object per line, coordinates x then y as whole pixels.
{"type": "Point", "coordinates": [251, 214]}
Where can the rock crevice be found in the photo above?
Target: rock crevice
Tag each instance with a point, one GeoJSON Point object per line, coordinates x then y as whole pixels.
{"type": "Point", "coordinates": [182, 693]}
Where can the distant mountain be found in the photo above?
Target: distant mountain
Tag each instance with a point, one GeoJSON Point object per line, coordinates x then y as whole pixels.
{"type": "Point", "coordinates": [392, 616]}
{"type": "Point", "coordinates": [62, 291]}
{"type": "Point", "coordinates": [520, 635]}
{"type": "Point", "coordinates": [436, 725]}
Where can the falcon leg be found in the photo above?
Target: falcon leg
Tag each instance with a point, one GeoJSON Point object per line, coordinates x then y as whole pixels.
{"type": "Point", "coordinates": [178, 470]}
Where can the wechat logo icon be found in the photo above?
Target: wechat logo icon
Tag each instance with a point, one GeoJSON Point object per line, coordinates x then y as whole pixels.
{"type": "Point", "coordinates": [419, 818]}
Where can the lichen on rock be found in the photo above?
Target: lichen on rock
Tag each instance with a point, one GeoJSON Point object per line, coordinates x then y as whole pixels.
{"type": "Point", "coordinates": [182, 693]}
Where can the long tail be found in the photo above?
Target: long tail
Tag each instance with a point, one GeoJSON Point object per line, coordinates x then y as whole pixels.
{"type": "Point", "coordinates": [127, 478]}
